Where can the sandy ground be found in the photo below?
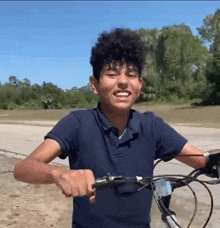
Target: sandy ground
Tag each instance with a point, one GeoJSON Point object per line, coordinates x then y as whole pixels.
{"type": "Point", "coordinates": [25, 206]}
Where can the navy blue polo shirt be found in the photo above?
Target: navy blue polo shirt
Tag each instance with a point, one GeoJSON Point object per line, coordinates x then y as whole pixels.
{"type": "Point", "coordinates": [90, 142]}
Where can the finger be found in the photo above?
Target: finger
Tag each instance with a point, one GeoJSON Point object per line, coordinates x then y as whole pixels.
{"type": "Point", "coordinates": [92, 198]}
{"type": "Point", "coordinates": [65, 187]}
{"type": "Point", "coordinates": [82, 181]}
{"type": "Point", "coordinates": [90, 180]}
{"type": "Point", "coordinates": [66, 191]}
{"type": "Point", "coordinates": [93, 187]}
{"type": "Point", "coordinates": [82, 189]}
{"type": "Point", "coordinates": [90, 185]}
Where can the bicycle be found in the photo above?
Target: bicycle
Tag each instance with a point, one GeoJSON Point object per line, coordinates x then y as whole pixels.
{"type": "Point", "coordinates": [162, 187]}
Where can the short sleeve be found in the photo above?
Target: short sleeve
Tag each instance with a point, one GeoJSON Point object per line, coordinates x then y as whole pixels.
{"type": "Point", "coordinates": [65, 133]}
{"type": "Point", "coordinates": [169, 143]}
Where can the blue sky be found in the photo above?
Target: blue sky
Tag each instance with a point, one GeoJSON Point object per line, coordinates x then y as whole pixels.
{"type": "Point", "coordinates": [51, 40]}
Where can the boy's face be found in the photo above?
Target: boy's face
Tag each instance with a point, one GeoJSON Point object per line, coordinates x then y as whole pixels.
{"type": "Point", "coordinates": [118, 87]}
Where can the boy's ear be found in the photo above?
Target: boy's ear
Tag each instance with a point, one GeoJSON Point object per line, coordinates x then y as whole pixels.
{"type": "Point", "coordinates": [141, 84]}
{"type": "Point", "coordinates": [94, 84]}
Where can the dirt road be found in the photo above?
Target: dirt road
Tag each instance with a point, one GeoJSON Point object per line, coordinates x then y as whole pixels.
{"type": "Point", "coordinates": [27, 206]}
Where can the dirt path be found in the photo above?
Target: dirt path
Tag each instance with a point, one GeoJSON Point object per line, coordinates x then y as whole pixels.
{"type": "Point", "coordinates": [30, 206]}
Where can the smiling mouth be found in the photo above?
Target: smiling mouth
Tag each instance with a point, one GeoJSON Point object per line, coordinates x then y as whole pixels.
{"type": "Point", "coordinates": [122, 94]}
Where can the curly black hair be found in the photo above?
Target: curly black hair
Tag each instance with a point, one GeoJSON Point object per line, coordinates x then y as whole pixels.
{"type": "Point", "coordinates": [119, 45]}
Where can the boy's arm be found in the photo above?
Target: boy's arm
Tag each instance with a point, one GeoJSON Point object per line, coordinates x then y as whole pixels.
{"type": "Point", "coordinates": [36, 170]}
{"type": "Point", "coordinates": [198, 161]}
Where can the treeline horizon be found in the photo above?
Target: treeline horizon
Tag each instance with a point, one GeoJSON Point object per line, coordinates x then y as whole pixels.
{"type": "Point", "coordinates": [17, 94]}
{"type": "Point", "coordinates": [179, 68]}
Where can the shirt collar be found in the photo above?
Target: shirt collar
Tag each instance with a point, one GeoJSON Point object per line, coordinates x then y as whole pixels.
{"type": "Point", "coordinates": [103, 120]}
{"type": "Point", "coordinates": [133, 122]}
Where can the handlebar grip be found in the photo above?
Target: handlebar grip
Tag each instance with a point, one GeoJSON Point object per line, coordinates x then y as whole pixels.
{"type": "Point", "coordinates": [109, 182]}
{"type": "Point", "coordinates": [119, 184]}
{"type": "Point", "coordinates": [101, 184]}
{"type": "Point", "coordinates": [212, 168]}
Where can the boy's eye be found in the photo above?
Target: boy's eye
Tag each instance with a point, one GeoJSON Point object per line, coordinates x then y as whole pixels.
{"type": "Point", "coordinates": [132, 75]}
{"type": "Point", "coordinates": [112, 74]}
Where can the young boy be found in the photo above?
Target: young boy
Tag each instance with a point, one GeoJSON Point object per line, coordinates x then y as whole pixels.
{"type": "Point", "coordinates": [111, 138]}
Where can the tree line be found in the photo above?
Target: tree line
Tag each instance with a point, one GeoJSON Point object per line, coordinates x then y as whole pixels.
{"type": "Point", "coordinates": [179, 67]}
{"type": "Point", "coordinates": [18, 94]}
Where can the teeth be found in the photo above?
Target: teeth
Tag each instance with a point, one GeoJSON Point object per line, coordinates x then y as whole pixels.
{"type": "Point", "coordinates": [122, 94]}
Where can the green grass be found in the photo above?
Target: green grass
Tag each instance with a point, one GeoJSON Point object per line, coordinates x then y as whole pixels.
{"type": "Point", "coordinates": [33, 114]}
{"type": "Point", "coordinates": [207, 116]}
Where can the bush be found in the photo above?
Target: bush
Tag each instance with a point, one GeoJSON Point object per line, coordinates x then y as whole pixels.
{"type": "Point", "coordinates": [12, 106]}
{"type": "Point", "coordinates": [32, 104]}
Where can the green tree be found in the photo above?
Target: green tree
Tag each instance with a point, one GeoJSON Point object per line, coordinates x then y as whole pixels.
{"type": "Point", "coordinates": [210, 32]}
{"type": "Point", "coordinates": [52, 95]}
{"type": "Point", "coordinates": [88, 94]}
{"type": "Point", "coordinates": [22, 95]}
{"type": "Point", "coordinates": [181, 59]}
{"type": "Point", "coordinates": [8, 97]}
{"type": "Point", "coordinates": [13, 80]}
{"type": "Point", "coordinates": [150, 73]}
{"type": "Point", "coordinates": [210, 27]}
{"type": "Point", "coordinates": [26, 82]}
{"type": "Point", "coordinates": [213, 74]}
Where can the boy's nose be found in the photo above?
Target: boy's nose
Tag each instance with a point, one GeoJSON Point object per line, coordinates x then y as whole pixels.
{"type": "Point", "coordinates": [122, 80]}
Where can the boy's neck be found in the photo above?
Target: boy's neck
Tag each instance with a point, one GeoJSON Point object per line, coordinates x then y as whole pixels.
{"type": "Point", "coordinates": [117, 119]}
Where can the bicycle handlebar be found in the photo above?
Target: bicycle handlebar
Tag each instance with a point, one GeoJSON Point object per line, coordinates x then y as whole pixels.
{"type": "Point", "coordinates": [117, 182]}
{"type": "Point", "coordinates": [212, 169]}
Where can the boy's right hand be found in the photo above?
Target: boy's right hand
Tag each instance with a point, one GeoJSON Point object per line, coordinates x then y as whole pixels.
{"type": "Point", "coordinates": [75, 182]}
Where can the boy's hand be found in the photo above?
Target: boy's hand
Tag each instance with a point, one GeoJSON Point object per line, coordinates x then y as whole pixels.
{"type": "Point", "coordinates": [75, 182]}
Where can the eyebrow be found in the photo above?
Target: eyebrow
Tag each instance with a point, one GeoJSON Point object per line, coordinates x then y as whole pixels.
{"type": "Point", "coordinates": [117, 67]}
{"type": "Point", "coordinates": [117, 71]}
